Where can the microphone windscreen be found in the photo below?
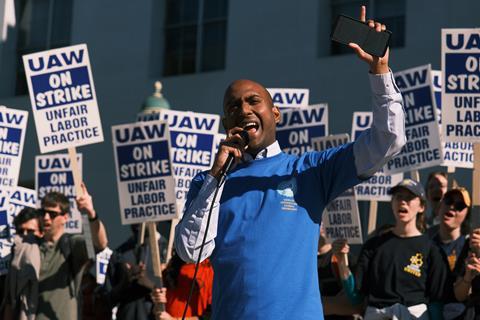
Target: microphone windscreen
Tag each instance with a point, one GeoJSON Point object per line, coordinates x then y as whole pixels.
{"type": "Point", "coordinates": [245, 137]}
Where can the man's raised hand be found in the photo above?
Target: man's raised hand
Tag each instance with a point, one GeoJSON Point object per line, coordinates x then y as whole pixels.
{"type": "Point", "coordinates": [378, 65]}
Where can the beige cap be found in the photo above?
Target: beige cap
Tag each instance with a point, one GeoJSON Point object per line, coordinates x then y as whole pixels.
{"type": "Point", "coordinates": [463, 192]}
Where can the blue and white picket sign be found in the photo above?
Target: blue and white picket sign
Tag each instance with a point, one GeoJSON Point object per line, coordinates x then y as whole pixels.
{"type": "Point", "coordinates": [4, 204]}
{"type": "Point", "coordinates": [145, 177]}
{"type": "Point", "coordinates": [455, 154]}
{"type": "Point", "coordinates": [63, 98]}
{"type": "Point", "coordinates": [423, 148]}
{"type": "Point", "coordinates": [437, 83]}
{"type": "Point", "coordinates": [148, 116]}
{"type": "Point", "coordinates": [219, 137]}
{"type": "Point", "coordinates": [461, 91]}
{"type": "Point", "coordinates": [299, 126]}
{"type": "Point", "coordinates": [377, 187]}
{"type": "Point", "coordinates": [13, 125]}
{"type": "Point", "coordinates": [20, 198]}
{"type": "Point", "coordinates": [289, 97]}
{"type": "Point", "coordinates": [331, 141]}
{"type": "Point", "coordinates": [54, 173]}
{"type": "Point", "coordinates": [6, 242]}
{"type": "Point", "coordinates": [101, 263]}
{"type": "Point", "coordinates": [5, 255]}
{"type": "Point", "coordinates": [10, 204]}
{"type": "Point", "coordinates": [192, 137]}
{"type": "Point", "coordinates": [341, 219]}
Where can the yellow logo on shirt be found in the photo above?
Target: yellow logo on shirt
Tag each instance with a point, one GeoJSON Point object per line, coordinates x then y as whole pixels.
{"type": "Point", "coordinates": [415, 265]}
{"type": "Point", "coordinates": [452, 260]}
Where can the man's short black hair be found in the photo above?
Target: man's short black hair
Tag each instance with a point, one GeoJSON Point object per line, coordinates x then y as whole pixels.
{"type": "Point", "coordinates": [27, 214]}
{"type": "Point", "coordinates": [52, 199]}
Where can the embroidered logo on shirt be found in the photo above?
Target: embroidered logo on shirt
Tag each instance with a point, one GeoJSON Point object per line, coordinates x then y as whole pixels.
{"type": "Point", "coordinates": [416, 263]}
{"type": "Point", "coordinates": [288, 189]}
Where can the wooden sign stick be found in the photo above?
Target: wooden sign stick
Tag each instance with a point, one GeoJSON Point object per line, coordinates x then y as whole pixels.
{"type": "Point", "coordinates": [171, 238]}
{"type": "Point", "coordinates": [155, 254]}
{"type": "Point", "coordinates": [77, 179]}
{"type": "Point", "coordinates": [372, 216]}
{"type": "Point", "coordinates": [450, 171]}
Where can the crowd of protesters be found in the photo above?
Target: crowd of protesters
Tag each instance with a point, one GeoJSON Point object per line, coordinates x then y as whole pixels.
{"type": "Point", "coordinates": [50, 275]}
{"type": "Point", "coordinates": [413, 270]}
{"type": "Point", "coordinates": [425, 266]}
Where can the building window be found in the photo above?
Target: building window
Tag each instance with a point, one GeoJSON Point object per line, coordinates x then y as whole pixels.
{"type": "Point", "coordinates": [195, 36]}
{"type": "Point", "coordinates": [389, 12]}
{"type": "Point", "coordinates": [42, 25]}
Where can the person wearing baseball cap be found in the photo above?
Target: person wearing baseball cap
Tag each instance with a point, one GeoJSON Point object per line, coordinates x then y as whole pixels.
{"type": "Point", "coordinates": [416, 189]}
{"type": "Point", "coordinates": [453, 240]}
{"type": "Point", "coordinates": [400, 274]}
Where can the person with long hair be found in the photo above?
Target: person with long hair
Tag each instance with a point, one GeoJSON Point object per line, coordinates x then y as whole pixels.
{"type": "Point", "coordinates": [399, 273]}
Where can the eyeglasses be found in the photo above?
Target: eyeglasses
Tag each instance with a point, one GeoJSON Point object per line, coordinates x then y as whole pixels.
{"type": "Point", "coordinates": [51, 213]}
{"type": "Point", "coordinates": [457, 205]}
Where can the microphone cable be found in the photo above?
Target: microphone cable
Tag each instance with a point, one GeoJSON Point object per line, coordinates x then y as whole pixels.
{"type": "Point", "coordinates": [197, 264]}
{"type": "Point", "coordinates": [221, 181]}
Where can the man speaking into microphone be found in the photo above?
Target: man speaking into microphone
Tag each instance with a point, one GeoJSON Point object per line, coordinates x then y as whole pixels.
{"type": "Point", "coordinates": [264, 229]}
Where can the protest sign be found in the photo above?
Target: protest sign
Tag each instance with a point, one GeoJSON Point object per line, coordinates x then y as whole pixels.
{"type": "Point", "coordinates": [332, 141]}
{"type": "Point", "coordinates": [377, 187]}
{"type": "Point", "coordinates": [148, 116]}
{"type": "Point", "coordinates": [341, 219]}
{"type": "Point", "coordinates": [4, 204]}
{"type": "Point", "coordinates": [461, 92]}
{"type": "Point", "coordinates": [289, 98]}
{"type": "Point", "coordinates": [5, 240]}
{"type": "Point", "coordinates": [101, 264]}
{"type": "Point", "coordinates": [455, 154]}
{"type": "Point", "coordinates": [192, 137]}
{"type": "Point", "coordinates": [19, 199]}
{"type": "Point", "coordinates": [13, 124]}
{"type": "Point", "coordinates": [299, 126]}
{"type": "Point", "coordinates": [191, 134]}
{"type": "Point", "coordinates": [146, 186]}
{"type": "Point", "coordinates": [219, 137]}
{"type": "Point", "coordinates": [5, 255]}
{"type": "Point", "coordinates": [63, 98]}
{"type": "Point", "coordinates": [423, 148]}
{"type": "Point", "coordinates": [54, 173]}
{"type": "Point", "coordinates": [437, 91]}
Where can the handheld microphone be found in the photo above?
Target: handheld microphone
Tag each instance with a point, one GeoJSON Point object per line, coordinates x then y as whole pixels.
{"type": "Point", "coordinates": [231, 159]}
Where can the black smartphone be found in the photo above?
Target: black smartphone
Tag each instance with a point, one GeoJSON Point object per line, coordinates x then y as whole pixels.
{"type": "Point", "coordinates": [348, 30]}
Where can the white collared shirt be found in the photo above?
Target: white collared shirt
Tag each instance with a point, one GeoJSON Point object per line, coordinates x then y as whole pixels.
{"type": "Point", "coordinates": [270, 151]}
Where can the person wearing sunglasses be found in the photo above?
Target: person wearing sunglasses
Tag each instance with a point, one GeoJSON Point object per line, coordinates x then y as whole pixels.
{"type": "Point", "coordinates": [63, 257]}
{"type": "Point", "coordinates": [454, 241]}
